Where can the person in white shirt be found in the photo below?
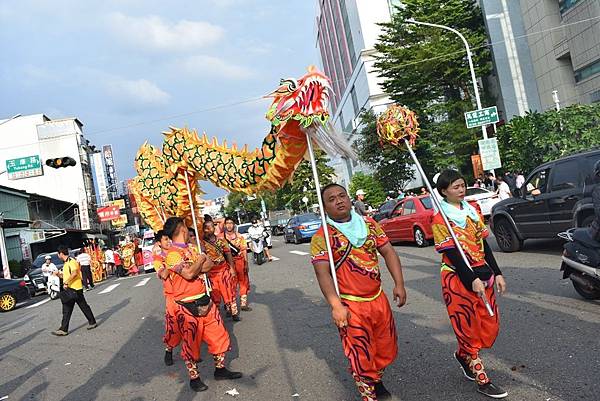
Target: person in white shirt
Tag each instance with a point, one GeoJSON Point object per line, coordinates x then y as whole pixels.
{"type": "Point", "coordinates": [85, 261]}
{"type": "Point", "coordinates": [109, 260]}
{"type": "Point", "coordinates": [520, 180]}
{"type": "Point", "coordinates": [48, 268]}
{"type": "Point", "coordinates": [503, 188]}
{"type": "Point", "coordinates": [257, 229]}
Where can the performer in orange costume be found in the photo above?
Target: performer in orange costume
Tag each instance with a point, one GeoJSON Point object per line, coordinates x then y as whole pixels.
{"type": "Point", "coordinates": [361, 311]}
{"type": "Point", "coordinates": [237, 245]}
{"type": "Point", "coordinates": [197, 318]}
{"type": "Point", "coordinates": [222, 275]}
{"type": "Point", "coordinates": [462, 287]}
{"type": "Point", "coordinates": [172, 337]}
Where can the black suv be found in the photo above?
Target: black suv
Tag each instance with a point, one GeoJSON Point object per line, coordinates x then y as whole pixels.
{"type": "Point", "coordinates": [555, 197]}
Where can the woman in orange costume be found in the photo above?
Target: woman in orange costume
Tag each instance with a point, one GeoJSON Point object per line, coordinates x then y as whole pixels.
{"type": "Point", "coordinates": [463, 288]}
{"type": "Point", "coordinates": [238, 247]}
{"type": "Point", "coordinates": [361, 310]}
{"type": "Point", "coordinates": [222, 275]}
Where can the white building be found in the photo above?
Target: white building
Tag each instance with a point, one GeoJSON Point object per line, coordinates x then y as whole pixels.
{"type": "Point", "coordinates": [38, 135]}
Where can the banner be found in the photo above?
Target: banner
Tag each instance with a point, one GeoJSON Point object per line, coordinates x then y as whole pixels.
{"type": "Point", "coordinates": [120, 222]}
{"type": "Point", "coordinates": [108, 213]}
{"type": "Point", "coordinates": [120, 203]}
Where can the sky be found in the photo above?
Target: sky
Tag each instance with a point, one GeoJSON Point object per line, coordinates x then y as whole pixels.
{"type": "Point", "coordinates": [129, 69]}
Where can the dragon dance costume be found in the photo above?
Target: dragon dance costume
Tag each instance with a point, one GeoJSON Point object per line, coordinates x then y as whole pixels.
{"type": "Point", "coordinates": [472, 325]}
{"type": "Point", "coordinates": [369, 341]}
{"type": "Point", "coordinates": [220, 275]}
{"type": "Point", "coordinates": [194, 329]}
{"type": "Point", "coordinates": [172, 337]}
{"type": "Point", "coordinates": [238, 247]}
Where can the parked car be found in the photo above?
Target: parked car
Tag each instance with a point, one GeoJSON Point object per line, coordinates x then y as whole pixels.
{"type": "Point", "coordinates": [385, 210]}
{"type": "Point", "coordinates": [485, 198]}
{"type": "Point", "coordinates": [410, 221]}
{"type": "Point", "coordinates": [11, 293]}
{"type": "Point", "coordinates": [243, 230]}
{"type": "Point", "coordinates": [556, 196]}
{"type": "Point", "coordinates": [302, 227]}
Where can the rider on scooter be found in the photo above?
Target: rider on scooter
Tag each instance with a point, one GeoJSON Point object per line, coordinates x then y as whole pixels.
{"type": "Point", "coordinates": [595, 227]}
{"type": "Point", "coordinates": [258, 230]}
{"type": "Point", "coordinates": [48, 268]}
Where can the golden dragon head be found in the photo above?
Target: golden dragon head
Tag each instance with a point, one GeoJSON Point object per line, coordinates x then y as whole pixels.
{"type": "Point", "coordinates": [305, 99]}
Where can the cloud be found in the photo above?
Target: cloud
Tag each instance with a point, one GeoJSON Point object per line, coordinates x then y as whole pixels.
{"type": "Point", "coordinates": [212, 66]}
{"type": "Point", "coordinates": [135, 93]}
{"type": "Point", "coordinates": [153, 33]}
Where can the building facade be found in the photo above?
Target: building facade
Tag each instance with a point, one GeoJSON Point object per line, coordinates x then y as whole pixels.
{"type": "Point", "coordinates": [544, 51]}
{"type": "Point", "coordinates": [346, 33]}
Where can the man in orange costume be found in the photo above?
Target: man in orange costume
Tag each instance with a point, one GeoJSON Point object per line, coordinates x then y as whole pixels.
{"type": "Point", "coordinates": [361, 310]}
{"type": "Point", "coordinates": [222, 275]}
{"type": "Point", "coordinates": [197, 318]}
{"type": "Point", "coordinates": [172, 337]}
{"type": "Point", "coordinates": [237, 245]}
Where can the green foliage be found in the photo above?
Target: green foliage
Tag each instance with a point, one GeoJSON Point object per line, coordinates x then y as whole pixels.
{"type": "Point", "coordinates": [390, 164]}
{"type": "Point", "coordinates": [426, 70]}
{"type": "Point", "coordinates": [375, 194]}
{"type": "Point", "coordinates": [288, 197]}
{"type": "Point", "coordinates": [528, 141]}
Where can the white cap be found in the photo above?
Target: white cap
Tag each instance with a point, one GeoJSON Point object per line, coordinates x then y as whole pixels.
{"type": "Point", "coordinates": [48, 257]}
{"type": "Point", "coordinates": [360, 192]}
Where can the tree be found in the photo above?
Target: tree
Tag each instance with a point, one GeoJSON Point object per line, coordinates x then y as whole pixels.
{"type": "Point", "coordinates": [390, 164]}
{"type": "Point", "coordinates": [426, 70]}
{"type": "Point", "coordinates": [375, 194]}
{"type": "Point", "coordinates": [528, 141]}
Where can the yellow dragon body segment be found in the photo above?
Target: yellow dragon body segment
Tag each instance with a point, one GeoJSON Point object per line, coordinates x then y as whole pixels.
{"type": "Point", "coordinates": [299, 111]}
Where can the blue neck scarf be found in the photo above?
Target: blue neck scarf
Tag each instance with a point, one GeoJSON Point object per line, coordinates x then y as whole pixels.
{"type": "Point", "coordinates": [459, 215]}
{"type": "Point", "coordinates": [355, 230]}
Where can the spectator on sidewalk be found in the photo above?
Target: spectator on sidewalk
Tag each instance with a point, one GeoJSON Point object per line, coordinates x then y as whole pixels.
{"type": "Point", "coordinates": [72, 293]}
{"type": "Point", "coordinates": [359, 203]}
{"type": "Point", "coordinates": [109, 259]}
{"type": "Point", "coordinates": [504, 191]}
{"type": "Point", "coordinates": [85, 262]}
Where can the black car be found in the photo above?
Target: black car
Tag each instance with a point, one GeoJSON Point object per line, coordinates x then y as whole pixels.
{"type": "Point", "coordinates": [11, 293]}
{"type": "Point", "coordinates": [556, 196]}
{"type": "Point", "coordinates": [34, 277]}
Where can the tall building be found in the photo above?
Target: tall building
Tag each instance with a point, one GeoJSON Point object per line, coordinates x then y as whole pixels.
{"type": "Point", "coordinates": [544, 49]}
{"type": "Point", "coordinates": [346, 32]}
{"type": "Point", "coordinates": [112, 183]}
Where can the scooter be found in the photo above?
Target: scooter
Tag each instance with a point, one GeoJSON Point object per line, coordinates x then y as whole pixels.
{"type": "Point", "coordinates": [581, 262]}
{"type": "Point", "coordinates": [257, 246]}
{"type": "Point", "coordinates": [53, 286]}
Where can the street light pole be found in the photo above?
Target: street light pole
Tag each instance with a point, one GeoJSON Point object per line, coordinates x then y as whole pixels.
{"type": "Point", "coordinates": [471, 67]}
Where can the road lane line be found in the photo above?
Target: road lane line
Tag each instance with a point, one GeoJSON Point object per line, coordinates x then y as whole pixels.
{"type": "Point", "coordinates": [299, 253]}
{"type": "Point", "coordinates": [38, 303]}
{"type": "Point", "coordinates": [143, 282]}
{"type": "Point", "coordinates": [109, 288]}
{"type": "Point", "coordinates": [275, 258]}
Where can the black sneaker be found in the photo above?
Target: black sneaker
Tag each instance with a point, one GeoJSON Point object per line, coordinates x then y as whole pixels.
{"type": "Point", "coordinates": [198, 385]}
{"type": "Point", "coordinates": [246, 308]}
{"type": "Point", "coordinates": [381, 392]}
{"type": "Point", "coordinates": [491, 390]}
{"type": "Point", "coordinates": [236, 317]}
{"type": "Point", "coordinates": [465, 367]}
{"type": "Point", "coordinates": [168, 358]}
{"type": "Point", "coordinates": [226, 374]}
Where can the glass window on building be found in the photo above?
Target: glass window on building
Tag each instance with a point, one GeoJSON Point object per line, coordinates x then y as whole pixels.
{"type": "Point", "coordinates": [348, 31]}
{"type": "Point", "coordinates": [355, 104]}
{"type": "Point", "coordinates": [565, 5]}
{"type": "Point", "coordinates": [393, 4]}
{"type": "Point", "coordinates": [588, 71]}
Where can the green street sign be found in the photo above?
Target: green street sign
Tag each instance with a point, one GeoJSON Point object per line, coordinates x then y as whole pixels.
{"type": "Point", "coordinates": [490, 155]}
{"type": "Point", "coordinates": [477, 118]}
{"type": "Point", "coordinates": [24, 167]}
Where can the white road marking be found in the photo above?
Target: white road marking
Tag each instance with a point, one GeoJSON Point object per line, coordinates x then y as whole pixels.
{"type": "Point", "coordinates": [275, 258]}
{"type": "Point", "coordinates": [38, 303]}
{"type": "Point", "coordinates": [109, 288]}
{"type": "Point", "coordinates": [143, 282]}
{"type": "Point", "coordinates": [299, 253]}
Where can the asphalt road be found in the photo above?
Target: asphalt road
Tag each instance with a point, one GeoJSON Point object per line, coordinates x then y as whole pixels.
{"type": "Point", "coordinates": [288, 349]}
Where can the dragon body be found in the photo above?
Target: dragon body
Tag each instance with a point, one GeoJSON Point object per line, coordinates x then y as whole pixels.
{"type": "Point", "coordinates": [299, 110]}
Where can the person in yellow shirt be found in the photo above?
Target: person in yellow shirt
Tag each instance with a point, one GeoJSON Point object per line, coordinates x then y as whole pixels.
{"type": "Point", "coordinates": [72, 293]}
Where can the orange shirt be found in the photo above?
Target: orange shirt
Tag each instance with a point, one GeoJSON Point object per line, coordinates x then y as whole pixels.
{"type": "Point", "coordinates": [216, 251]}
{"type": "Point", "coordinates": [359, 274]}
{"type": "Point", "coordinates": [471, 239]}
{"type": "Point", "coordinates": [178, 256]}
{"type": "Point", "coordinates": [158, 261]}
{"type": "Point", "coordinates": [238, 241]}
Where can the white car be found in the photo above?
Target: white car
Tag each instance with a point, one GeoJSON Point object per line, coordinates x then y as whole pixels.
{"type": "Point", "coordinates": [243, 230]}
{"type": "Point", "coordinates": [485, 198]}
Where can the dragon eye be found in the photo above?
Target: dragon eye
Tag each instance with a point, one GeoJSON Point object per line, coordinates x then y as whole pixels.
{"type": "Point", "coordinates": [291, 83]}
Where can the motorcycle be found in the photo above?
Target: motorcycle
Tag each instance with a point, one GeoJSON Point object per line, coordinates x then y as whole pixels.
{"type": "Point", "coordinates": [53, 286]}
{"type": "Point", "coordinates": [257, 246]}
{"type": "Point", "coordinates": [581, 262]}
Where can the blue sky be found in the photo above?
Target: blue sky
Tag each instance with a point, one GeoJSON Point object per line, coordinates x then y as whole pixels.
{"type": "Point", "coordinates": [121, 65]}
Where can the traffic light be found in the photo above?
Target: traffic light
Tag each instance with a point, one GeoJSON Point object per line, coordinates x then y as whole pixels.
{"type": "Point", "coordinates": [59, 162]}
